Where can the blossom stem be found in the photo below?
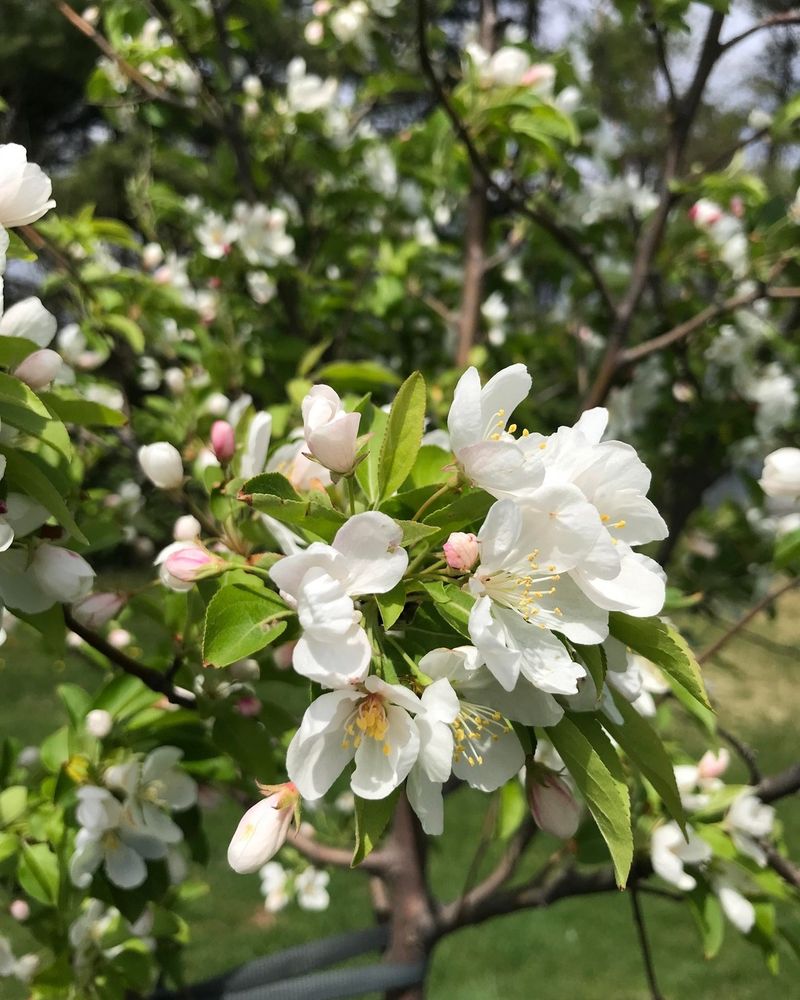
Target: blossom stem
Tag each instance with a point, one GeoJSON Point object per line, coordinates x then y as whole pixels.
{"type": "Point", "coordinates": [351, 495]}
{"type": "Point", "coordinates": [432, 499]}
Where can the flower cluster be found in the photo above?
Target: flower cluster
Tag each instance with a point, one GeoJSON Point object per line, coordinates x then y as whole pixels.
{"type": "Point", "coordinates": [554, 555]}
{"type": "Point", "coordinates": [126, 821]}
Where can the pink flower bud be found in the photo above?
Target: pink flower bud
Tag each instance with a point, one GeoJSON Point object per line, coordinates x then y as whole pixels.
{"type": "Point", "coordinates": [249, 706]}
{"type": "Point", "coordinates": [39, 369]}
{"type": "Point", "coordinates": [189, 562]}
{"type": "Point", "coordinates": [713, 765]}
{"type": "Point", "coordinates": [263, 829]}
{"type": "Point", "coordinates": [223, 440]}
{"type": "Point", "coordinates": [553, 806]}
{"type": "Point", "coordinates": [705, 213]}
{"type": "Point", "coordinates": [19, 910]}
{"type": "Point", "coordinates": [461, 550]}
{"type": "Point", "coordinates": [96, 609]}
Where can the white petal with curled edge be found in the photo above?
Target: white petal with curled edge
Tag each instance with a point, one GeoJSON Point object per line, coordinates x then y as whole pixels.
{"type": "Point", "coordinates": [30, 320]}
{"type": "Point", "coordinates": [465, 420]}
{"type": "Point", "coordinates": [436, 748]}
{"type": "Point", "coordinates": [288, 572]}
{"type": "Point", "coordinates": [334, 662]}
{"type": "Point", "coordinates": [489, 635]}
{"type": "Point", "coordinates": [499, 534]}
{"type": "Point", "coordinates": [425, 797]}
{"type": "Point", "coordinates": [592, 424]}
{"type": "Point", "coordinates": [739, 910]}
{"type": "Point", "coordinates": [323, 608]}
{"type": "Point", "coordinates": [639, 589]}
{"type": "Point", "coordinates": [86, 859]}
{"type": "Point", "coordinates": [504, 392]}
{"type": "Point", "coordinates": [440, 702]}
{"type": "Point", "coordinates": [371, 544]}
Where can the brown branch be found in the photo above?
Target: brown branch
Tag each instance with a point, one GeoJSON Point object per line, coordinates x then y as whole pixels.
{"type": "Point", "coordinates": [778, 786]}
{"type": "Point", "coordinates": [773, 21]}
{"type": "Point", "coordinates": [644, 944]}
{"type": "Point", "coordinates": [785, 867]}
{"type": "Point", "coordinates": [152, 678]}
{"type": "Point", "coordinates": [746, 753]}
{"type": "Point", "coordinates": [501, 873]}
{"type": "Point", "coordinates": [729, 633]}
{"type": "Point", "coordinates": [337, 857]}
{"type": "Point", "coordinates": [684, 330]}
{"type": "Point", "coordinates": [652, 235]}
{"type": "Point", "coordinates": [108, 50]}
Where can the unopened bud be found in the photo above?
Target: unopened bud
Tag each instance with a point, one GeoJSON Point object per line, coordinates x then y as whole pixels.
{"type": "Point", "coordinates": [552, 803]}
{"type": "Point", "coordinates": [161, 463]}
{"type": "Point", "coordinates": [189, 562]}
{"type": "Point", "coordinates": [245, 670]}
{"type": "Point", "coordinates": [99, 723]}
{"type": "Point", "coordinates": [39, 369]}
{"type": "Point", "coordinates": [19, 910]}
{"type": "Point", "coordinates": [223, 440]}
{"type": "Point", "coordinates": [97, 609]}
{"type": "Point", "coordinates": [186, 528]}
{"type": "Point", "coordinates": [713, 765]}
{"type": "Point", "coordinates": [263, 829]}
{"type": "Point", "coordinates": [461, 550]}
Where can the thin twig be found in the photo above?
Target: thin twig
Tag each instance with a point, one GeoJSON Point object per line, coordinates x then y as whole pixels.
{"type": "Point", "coordinates": [644, 944]}
{"type": "Point", "coordinates": [745, 752]}
{"type": "Point", "coordinates": [773, 21]}
{"type": "Point", "coordinates": [729, 633]}
{"type": "Point", "coordinates": [661, 50]}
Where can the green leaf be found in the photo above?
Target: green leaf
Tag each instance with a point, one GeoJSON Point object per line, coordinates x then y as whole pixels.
{"type": "Point", "coordinates": [248, 742]}
{"type": "Point", "coordinates": [312, 356]}
{"type": "Point", "coordinates": [707, 912]}
{"type": "Point", "coordinates": [240, 621]}
{"type": "Point", "coordinates": [50, 625]}
{"type": "Point", "coordinates": [83, 411]}
{"type": "Point", "coordinates": [24, 474]}
{"type": "Point", "coordinates": [403, 436]}
{"type": "Point", "coordinates": [594, 658]}
{"type": "Point", "coordinates": [312, 513]}
{"type": "Point", "coordinates": [76, 701]}
{"type": "Point", "coordinates": [593, 763]}
{"type": "Point", "coordinates": [13, 802]}
{"type": "Point", "coordinates": [643, 746]}
{"type": "Point", "coordinates": [415, 531]}
{"type": "Point", "coordinates": [787, 549]}
{"type": "Point", "coordinates": [124, 696]}
{"type": "Point", "coordinates": [453, 604]}
{"type": "Point", "coordinates": [372, 818]}
{"type": "Point", "coordinates": [665, 646]}
{"type": "Point", "coordinates": [22, 408]}
{"type": "Point", "coordinates": [15, 349]}
{"type": "Point", "coordinates": [459, 514]}
{"type": "Point", "coordinates": [391, 604]}
{"type": "Point", "coordinates": [367, 471]}
{"type": "Point", "coordinates": [513, 808]}
{"type": "Point", "coordinates": [38, 873]}
{"type": "Point", "coordinates": [357, 376]}
{"type": "Point", "coordinates": [127, 328]}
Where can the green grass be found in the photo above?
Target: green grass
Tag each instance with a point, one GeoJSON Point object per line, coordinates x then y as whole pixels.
{"type": "Point", "coordinates": [583, 948]}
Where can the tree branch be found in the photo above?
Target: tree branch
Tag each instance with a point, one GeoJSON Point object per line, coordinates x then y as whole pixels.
{"type": "Point", "coordinates": [661, 50]}
{"type": "Point", "coordinates": [684, 330]}
{"type": "Point", "coordinates": [778, 786]}
{"type": "Point", "coordinates": [154, 679]}
{"type": "Point", "coordinates": [729, 633]}
{"type": "Point", "coordinates": [337, 857]}
{"type": "Point", "coordinates": [773, 21]}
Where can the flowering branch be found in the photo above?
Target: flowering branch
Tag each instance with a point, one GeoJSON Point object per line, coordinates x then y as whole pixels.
{"type": "Point", "coordinates": [508, 195]}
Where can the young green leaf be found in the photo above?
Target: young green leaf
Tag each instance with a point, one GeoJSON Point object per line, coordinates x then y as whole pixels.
{"type": "Point", "coordinates": [24, 473]}
{"type": "Point", "coordinates": [240, 621]}
{"type": "Point", "coordinates": [372, 818]}
{"type": "Point", "coordinates": [403, 435]}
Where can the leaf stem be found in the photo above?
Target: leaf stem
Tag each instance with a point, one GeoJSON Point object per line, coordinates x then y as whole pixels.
{"type": "Point", "coordinates": [432, 499]}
